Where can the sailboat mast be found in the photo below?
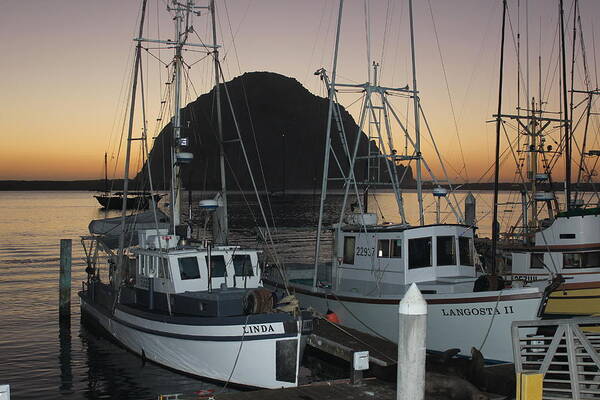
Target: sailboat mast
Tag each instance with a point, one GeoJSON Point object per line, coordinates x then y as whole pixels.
{"type": "Point", "coordinates": [105, 173]}
{"type": "Point", "coordinates": [417, 127]}
{"type": "Point", "coordinates": [136, 68]}
{"type": "Point", "coordinates": [176, 120]}
{"type": "Point", "coordinates": [495, 227]}
{"type": "Point", "coordinates": [223, 220]}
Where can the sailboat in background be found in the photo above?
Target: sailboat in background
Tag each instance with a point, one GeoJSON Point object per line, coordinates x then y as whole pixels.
{"type": "Point", "coordinates": [198, 308]}
{"type": "Point", "coordinates": [373, 264]}
{"type": "Point", "coordinates": [110, 200]}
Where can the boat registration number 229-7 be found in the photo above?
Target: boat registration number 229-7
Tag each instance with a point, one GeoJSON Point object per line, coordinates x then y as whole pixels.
{"type": "Point", "coordinates": [365, 251]}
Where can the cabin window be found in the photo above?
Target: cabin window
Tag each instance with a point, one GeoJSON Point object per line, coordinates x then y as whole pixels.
{"type": "Point", "coordinates": [217, 266]}
{"type": "Point", "coordinates": [141, 266]}
{"type": "Point", "coordinates": [383, 249]}
{"type": "Point", "coordinates": [446, 250]}
{"type": "Point", "coordinates": [464, 249]}
{"type": "Point", "coordinates": [582, 260]}
{"type": "Point", "coordinates": [242, 265]}
{"type": "Point", "coordinates": [536, 261]}
{"type": "Point", "coordinates": [419, 253]}
{"type": "Point", "coordinates": [349, 242]}
{"type": "Point", "coordinates": [151, 266]}
{"type": "Point", "coordinates": [188, 268]}
{"type": "Point", "coordinates": [389, 248]}
{"type": "Point", "coordinates": [163, 269]}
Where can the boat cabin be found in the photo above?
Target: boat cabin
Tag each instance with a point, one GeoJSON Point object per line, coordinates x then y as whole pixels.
{"type": "Point", "coordinates": [382, 257]}
{"type": "Point", "coordinates": [192, 279]}
{"type": "Point", "coordinates": [570, 243]}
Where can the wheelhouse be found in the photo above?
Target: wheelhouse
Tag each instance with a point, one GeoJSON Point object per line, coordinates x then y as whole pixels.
{"type": "Point", "coordinates": [183, 269]}
{"type": "Point", "coordinates": [401, 255]}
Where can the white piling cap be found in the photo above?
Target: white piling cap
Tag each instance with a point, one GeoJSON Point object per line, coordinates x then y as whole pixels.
{"type": "Point", "coordinates": [413, 302]}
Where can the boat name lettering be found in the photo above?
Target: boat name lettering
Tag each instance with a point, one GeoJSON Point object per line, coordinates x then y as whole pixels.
{"type": "Point", "coordinates": [460, 312]}
{"type": "Point", "coordinates": [365, 251]}
{"type": "Point", "coordinates": [258, 329]}
{"type": "Point", "coordinates": [530, 278]}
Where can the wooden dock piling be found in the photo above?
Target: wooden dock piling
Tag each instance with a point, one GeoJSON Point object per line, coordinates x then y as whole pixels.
{"type": "Point", "coordinates": [411, 345]}
{"type": "Point", "coordinates": [64, 303]}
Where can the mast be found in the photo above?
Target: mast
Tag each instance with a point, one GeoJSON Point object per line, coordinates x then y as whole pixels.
{"type": "Point", "coordinates": [136, 68]}
{"type": "Point", "coordinates": [176, 120]}
{"type": "Point", "coordinates": [567, 123]}
{"type": "Point", "coordinates": [328, 139]}
{"type": "Point", "coordinates": [105, 173]}
{"type": "Point", "coordinates": [221, 214]}
{"type": "Point", "coordinates": [417, 127]}
{"type": "Point", "coordinates": [495, 227]}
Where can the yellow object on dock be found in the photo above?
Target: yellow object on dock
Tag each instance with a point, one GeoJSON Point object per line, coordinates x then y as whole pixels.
{"type": "Point", "coordinates": [530, 386]}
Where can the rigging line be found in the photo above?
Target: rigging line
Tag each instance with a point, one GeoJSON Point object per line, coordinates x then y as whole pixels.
{"type": "Point", "coordinates": [462, 154]}
{"type": "Point", "coordinates": [388, 17]}
{"type": "Point", "coordinates": [462, 217]}
{"type": "Point", "coordinates": [548, 85]}
{"type": "Point", "coordinates": [515, 43]}
{"type": "Point", "coordinates": [479, 57]}
{"type": "Point", "coordinates": [309, 68]}
{"type": "Point", "coordinates": [518, 165]}
{"type": "Point", "coordinates": [251, 120]}
{"type": "Point", "coordinates": [594, 52]}
{"type": "Point", "coordinates": [237, 128]}
{"type": "Point", "coordinates": [583, 53]}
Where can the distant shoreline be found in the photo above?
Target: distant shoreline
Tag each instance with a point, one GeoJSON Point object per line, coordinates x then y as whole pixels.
{"type": "Point", "coordinates": [98, 185]}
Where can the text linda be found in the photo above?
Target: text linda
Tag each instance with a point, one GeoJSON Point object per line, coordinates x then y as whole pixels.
{"type": "Point", "coordinates": [459, 312]}
{"type": "Point", "coordinates": [258, 329]}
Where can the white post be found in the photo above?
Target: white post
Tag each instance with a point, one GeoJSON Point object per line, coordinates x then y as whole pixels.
{"type": "Point", "coordinates": [411, 345]}
{"type": "Point", "coordinates": [4, 392]}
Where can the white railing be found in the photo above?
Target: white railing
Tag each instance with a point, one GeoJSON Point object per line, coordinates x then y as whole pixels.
{"type": "Point", "coordinates": [564, 351]}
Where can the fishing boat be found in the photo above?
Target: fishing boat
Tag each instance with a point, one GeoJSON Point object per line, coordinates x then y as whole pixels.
{"type": "Point", "coordinates": [110, 200]}
{"type": "Point", "coordinates": [552, 243]}
{"type": "Point", "coordinates": [373, 263]}
{"type": "Point", "coordinates": [197, 307]}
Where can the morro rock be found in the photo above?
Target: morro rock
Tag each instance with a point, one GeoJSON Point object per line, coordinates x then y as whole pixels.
{"type": "Point", "coordinates": [282, 126]}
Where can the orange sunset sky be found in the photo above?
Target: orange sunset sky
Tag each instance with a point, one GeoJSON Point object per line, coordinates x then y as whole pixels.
{"type": "Point", "coordinates": [65, 67]}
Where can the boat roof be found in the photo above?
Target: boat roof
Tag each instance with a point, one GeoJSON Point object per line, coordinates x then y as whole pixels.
{"type": "Point", "coordinates": [577, 212]}
{"type": "Point", "coordinates": [393, 227]}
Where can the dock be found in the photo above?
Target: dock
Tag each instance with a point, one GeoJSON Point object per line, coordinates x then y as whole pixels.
{"type": "Point", "coordinates": [342, 343]}
{"type": "Point", "coordinates": [369, 389]}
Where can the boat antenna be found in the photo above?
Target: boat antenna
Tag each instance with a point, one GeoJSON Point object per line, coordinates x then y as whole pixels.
{"type": "Point", "coordinates": [136, 68]}
{"type": "Point", "coordinates": [222, 233]}
{"type": "Point", "coordinates": [417, 125]}
{"type": "Point", "coordinates": [495, 227]}
{"type": "Point", "coordinates": [567, 123]}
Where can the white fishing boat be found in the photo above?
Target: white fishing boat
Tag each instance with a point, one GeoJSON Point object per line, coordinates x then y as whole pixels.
{"type": "Point", "coordinates": [196, 307]}
{"type": "Point", "coordinates": [552, 243]}
{"type": "Point", "coordinates": [373, 264]}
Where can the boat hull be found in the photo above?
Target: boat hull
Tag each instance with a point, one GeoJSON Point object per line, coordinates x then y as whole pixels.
{"type": "Point", "coordinates": [256, 354]}
{"type": "Point", "coordinates": [481, 320]}
{"type": "Point", "coordinates": [134, 202]}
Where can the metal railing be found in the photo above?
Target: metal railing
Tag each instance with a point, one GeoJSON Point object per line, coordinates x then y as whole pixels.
{"type": "Point", "coordinates": [565, 351]}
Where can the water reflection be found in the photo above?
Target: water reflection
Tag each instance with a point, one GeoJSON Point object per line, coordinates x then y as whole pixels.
{"type": "Point", "coordinates": [65, 357]}
{"type": "Point", "coordinates": [83, 364]}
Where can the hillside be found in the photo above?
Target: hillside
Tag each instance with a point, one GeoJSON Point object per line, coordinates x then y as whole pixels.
{"type": "Point", "coordinates": [279, 120]}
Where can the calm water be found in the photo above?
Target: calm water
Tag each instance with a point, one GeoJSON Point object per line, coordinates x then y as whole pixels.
{"type": "Point", "coordinates": [39, 360]}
